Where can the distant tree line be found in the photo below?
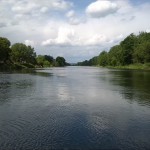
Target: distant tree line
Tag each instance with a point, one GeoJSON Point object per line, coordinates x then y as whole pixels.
{"type": "Point", "coordinates": [24, 55]}
{"type": "Point", "coordinates": [132, 50]}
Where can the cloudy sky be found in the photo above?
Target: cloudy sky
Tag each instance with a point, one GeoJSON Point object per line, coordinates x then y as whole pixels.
{"type": "Point", "coordinates": [74, 29]}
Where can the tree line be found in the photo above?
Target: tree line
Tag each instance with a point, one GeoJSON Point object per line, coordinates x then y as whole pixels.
{"type": "Point", "coordinates": [134, 49]}
{"type": "Point", "coordinates": [22, 55]}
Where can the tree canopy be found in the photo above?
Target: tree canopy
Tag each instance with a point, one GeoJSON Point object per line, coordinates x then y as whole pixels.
{"type": "Point", "coordinates": [4, 49]}
{"type": "Point", "coordinates": [133, 49]}
{"type": "Point", "coordinates": [45, 60]}
{"type": "Point", "coordinates": [60, 61]}
{"type": "Point", "coordinates": [20, 55]}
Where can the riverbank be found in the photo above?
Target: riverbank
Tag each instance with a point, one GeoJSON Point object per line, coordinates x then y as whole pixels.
{"type": "Point", "coordinates": [132, 67]}
{"type": "Point", "coordinates": [15, 66]}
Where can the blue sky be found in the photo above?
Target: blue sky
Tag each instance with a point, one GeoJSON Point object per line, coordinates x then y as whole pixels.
{"type": "Point", "coordinates": [74, 29]}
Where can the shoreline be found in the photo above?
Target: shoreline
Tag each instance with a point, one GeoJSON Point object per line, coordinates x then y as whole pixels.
{"type": "Point", "coordinates": [28, 67]}
{"type": "Point", "coordinates": [145, 67]}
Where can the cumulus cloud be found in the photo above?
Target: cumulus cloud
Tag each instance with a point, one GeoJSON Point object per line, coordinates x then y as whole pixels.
{"type": "Point", "coordinates": [97, 40]}
{"type": "Point", "coordinates": [101, 8]}
{"type": "Point", "coordinates": [61, 4]}
{"type": "Point", "coordinates": [30, 10]}
{"type": "Point", "coordinates": [74, 19]}
{"type": "Point", "coordinates": [44, 9]}
{"type": "Point", "coordinates": [57, 27]}
{"type": "Point", "coordinates": [71, 14]}
{"type": "Point", "coordinates": [65, 37]}
{"type": "Point", "coordinates": [24, 11]}
{"type": "Point", "coordinates": [22, 7]}
{"type": "Point", "coordinates": [29, 43]}
{"type": "Point", "coordinates": [27, 6]}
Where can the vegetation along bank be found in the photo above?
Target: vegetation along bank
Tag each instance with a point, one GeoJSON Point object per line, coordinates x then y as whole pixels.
{"type": "Point", "coordinates": [19, 56]}
{"type": "Point", "coordinates": [132, 53]}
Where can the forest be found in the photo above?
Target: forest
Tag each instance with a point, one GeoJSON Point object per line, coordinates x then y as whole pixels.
{"type": "Point", "coordinates": [134, 51]}
{"type": "Point", "coordinates": [19, 56]}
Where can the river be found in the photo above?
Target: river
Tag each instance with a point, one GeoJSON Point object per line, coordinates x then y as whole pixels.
{"type": "Point", "coordinates": [75, 108]}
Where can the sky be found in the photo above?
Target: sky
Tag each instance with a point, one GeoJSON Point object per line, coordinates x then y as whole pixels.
{"type": "Point", "coordinates": [74, 29]}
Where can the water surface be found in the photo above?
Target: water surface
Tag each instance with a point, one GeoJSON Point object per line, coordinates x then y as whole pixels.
{"type": "Point", "coordinates": [75, 108]}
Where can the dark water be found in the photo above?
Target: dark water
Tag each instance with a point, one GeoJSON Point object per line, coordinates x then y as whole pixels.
{"type": "Point", "coordinates": [75, 108]}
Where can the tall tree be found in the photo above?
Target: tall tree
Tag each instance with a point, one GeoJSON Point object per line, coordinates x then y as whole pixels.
{"type": "Point", "coordinates": [142, 53]}
{"type": "Point", "coordinates": [22, 53]}
{"type": "Point", "coordinates": [45, 61]}
{"type": "Point", "coordinates": [115, 56]}
{"type": "Point", "coordinates": [60, 61]}
{"type": "Point", "coordinates": [4, 49]}
{"type": "Point", "coordinates": [128, 45]}
{"type": "Point", "coordinates": [103, 59]}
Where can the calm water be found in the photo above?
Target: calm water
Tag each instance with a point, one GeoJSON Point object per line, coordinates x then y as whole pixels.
{"type": "Point", "coordinates": [75, 108]}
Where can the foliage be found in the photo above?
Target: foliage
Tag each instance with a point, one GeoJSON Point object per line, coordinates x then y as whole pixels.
{"type": "Point", "coordinates": [93, 61]}
{"type": "Point", "coordinates": [45, 60]}
{"type": "Point", "coordinates": [128, 45]}
{"type": "Point", "coordinates": [4, 49]}
{"type": "Point", "coordinates": [60, 62]}
{"type": "Point", "coordinates": [133, 49]}
{"type": "Point", "coordinates": [48, 61]}
{"type": "Point", "coordinates": [19, 56]}
{"type": "Point", "coordinates": [103, 59]}
{"type": "Point", "coordinates": [23, 54]}
{"type": "Point", "coordinates": [84, 63]}
{"type": "Point", "coordinates": [115, 56]}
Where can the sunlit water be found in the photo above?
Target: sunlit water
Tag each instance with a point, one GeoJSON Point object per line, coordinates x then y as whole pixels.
{"type": "Point", "coordinates": [75, 108]}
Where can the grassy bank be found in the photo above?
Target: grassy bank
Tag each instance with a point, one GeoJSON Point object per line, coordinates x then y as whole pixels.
{"type": "Point", "coordinates": [132, 67]}
{"type": "Point", "coordinates": [15, 66]}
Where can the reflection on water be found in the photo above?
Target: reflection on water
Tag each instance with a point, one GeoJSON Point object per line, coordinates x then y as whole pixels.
{"type": "Point", "coordinates": [133, 85]}
{"type": "Point", "coordinates": [75, 107]}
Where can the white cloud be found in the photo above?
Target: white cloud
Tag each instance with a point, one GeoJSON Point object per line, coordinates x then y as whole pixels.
{"type": "Point", "coordinates": [44, 9]}
{"type": "Point", "coordinates": [97, 40]}
{"type": "Point", "coordinates": [73, 19]}
{"type": "Point", "coordinates": [148, 30]}
{"type": "Point", "coordinates": [22, 7]}
{"type": "Point", "coordinates": [61, 4]}
{"type": "Point", "coordinates": [69, 37]}
{"type": "Point", "coordinates": [71, 14]}
{"type": "Point", "coordinates": [27, 6]}
{"type": "Point", "coordinates": [65, 37]}
{"type": "Point", "coordinates": [101, 8]}
{"type": "Point", "coordinates": [67, 30]}
{"type": "Point", "coordinates": [29, 43]}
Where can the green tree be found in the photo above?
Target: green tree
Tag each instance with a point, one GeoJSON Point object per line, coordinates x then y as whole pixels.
{"type": "Point", "coordinates": [45, 61]}
{"type": "Point", "coordinates": [133, 49]}
{"type": "Point", "coordinates": [128, 45]}
{"type": "Point", "coordinates": [143, 37]}
{"type": "Point", "coordinates": [93, 61]}
{"type": "Point", "coordinates": [103, 59]}
{"type": "Point", "coordinates": [115, 56]}
{"type": "Point", "coordinates": [40, 60]}
{"type": "Point", "coordinates": [23, 54]}
{"type": "Point", "coordinates": [4, 49]}
{"type": "Point", "coordinates": [142, 53]}
{"type": "Point", "coordinates": [49, 58]}
{"type": "Point", "coordinates": [60, 61]}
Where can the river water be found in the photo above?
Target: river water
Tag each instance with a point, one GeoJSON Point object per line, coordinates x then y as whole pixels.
{"type": "Point", "coordinates": [75, 108]}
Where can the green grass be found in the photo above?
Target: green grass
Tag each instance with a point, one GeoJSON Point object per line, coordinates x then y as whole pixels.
{"type": "Point", "coordinates": [15, 66]}
{"type": "Point", "coordinates": [139, 66]}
